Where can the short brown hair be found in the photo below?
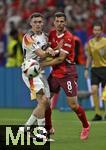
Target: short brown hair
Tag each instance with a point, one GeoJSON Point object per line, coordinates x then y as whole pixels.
{"type": "Point", "coordinates": [35, 15]}
{"type": "Point", "coordinates": [60, 14]}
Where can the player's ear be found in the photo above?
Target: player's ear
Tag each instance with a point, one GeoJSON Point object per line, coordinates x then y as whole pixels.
{"type": "Point", "coordinates": [54, 22]}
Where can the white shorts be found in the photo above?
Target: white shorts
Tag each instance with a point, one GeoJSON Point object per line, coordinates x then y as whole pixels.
{"type": "Point", "coordinates": [36, 84]}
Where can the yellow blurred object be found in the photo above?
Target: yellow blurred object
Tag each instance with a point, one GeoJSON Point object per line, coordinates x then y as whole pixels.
{"type": "Point", "coordinates": [33, 93]}
{"type": "Point", "coordinates": [49, 58]}
{"type": "Point", "coordinates": [33, 96]}
{"type": "Point", "coordinates": [14, 53]}
{"type": "Point", "coordinates": [104, 94]}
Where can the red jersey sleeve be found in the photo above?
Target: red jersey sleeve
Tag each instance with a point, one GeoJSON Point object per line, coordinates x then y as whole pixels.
{"type": "Point", "coordinates": [68, 47]}
{"type": "Point", "coordinates": [68, 44]}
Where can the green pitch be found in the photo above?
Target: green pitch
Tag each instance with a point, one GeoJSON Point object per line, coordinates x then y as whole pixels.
{"type": "Point", "coordinates": [67, 129]}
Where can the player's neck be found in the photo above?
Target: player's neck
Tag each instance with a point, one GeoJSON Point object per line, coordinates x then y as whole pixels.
{"type": "Point", "coordinates": [37, 32]}
{"type": "Point", "coordinates": [98, 38]}
{"type": "Point", "coordinates": [60, 32]}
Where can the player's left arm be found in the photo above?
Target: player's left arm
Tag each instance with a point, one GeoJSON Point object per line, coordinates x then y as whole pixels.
{"type": "Point", "coordinates": [54, 61]}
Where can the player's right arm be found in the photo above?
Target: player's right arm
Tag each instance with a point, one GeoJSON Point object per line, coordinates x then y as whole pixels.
{"type": "Point", "coordinates": [30, 44]}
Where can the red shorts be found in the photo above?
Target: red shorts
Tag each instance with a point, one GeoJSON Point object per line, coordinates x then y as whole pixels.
{"type": "Point", "coordinates": [68, 83]}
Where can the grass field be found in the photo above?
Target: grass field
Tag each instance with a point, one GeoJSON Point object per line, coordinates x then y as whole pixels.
{"type": "Point", "coordinates": [67, 129]}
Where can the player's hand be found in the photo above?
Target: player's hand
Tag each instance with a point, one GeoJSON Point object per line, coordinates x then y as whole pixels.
{"type": "Point", "coordinates": [86, 73]}
{"type": "Point", "coordinates": [57, 51]}
{"type": "Point", "coordinates": [50, 51]}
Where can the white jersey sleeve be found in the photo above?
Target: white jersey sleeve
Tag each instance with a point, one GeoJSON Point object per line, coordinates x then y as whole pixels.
{"type": "Point", "coordinates": [31, 43]}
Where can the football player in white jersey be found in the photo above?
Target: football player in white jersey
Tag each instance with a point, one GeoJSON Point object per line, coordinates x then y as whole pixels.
{"type": "Point", "coordinates": [35, 46]}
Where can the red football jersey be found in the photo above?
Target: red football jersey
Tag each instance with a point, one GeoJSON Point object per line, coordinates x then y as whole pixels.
{"type": "Point", "coordinates": [67, 66]}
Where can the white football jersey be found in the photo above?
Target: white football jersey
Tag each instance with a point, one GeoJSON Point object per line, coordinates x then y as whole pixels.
{"type": "Point", "coordinates": [32, 42]}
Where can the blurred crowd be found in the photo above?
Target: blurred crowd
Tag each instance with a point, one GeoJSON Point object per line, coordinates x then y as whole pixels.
{"type": "Point", "coordinates": [14, 16]}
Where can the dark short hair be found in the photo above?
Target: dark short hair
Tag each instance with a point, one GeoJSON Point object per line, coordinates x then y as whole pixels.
{"type": "Point", "coordinates": [98, 23]}
{"type": "Point", "coordinates": [35, 15]}
{"type": "Point", "coordinates": [60, 14]}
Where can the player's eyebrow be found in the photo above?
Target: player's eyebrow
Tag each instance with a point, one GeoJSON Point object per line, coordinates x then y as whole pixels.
{"type": "Point", "coordinates": [37, 21]}
{"type": "Point", "coordinates": [60, 20]}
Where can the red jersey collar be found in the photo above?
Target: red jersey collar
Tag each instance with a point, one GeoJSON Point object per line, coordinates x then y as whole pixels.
{"type": "Point", "coordinates": [61, 35]}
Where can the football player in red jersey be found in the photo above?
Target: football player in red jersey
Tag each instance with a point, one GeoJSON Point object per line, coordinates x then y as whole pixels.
{"type": "Point", "coordinates": [64, 73]}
